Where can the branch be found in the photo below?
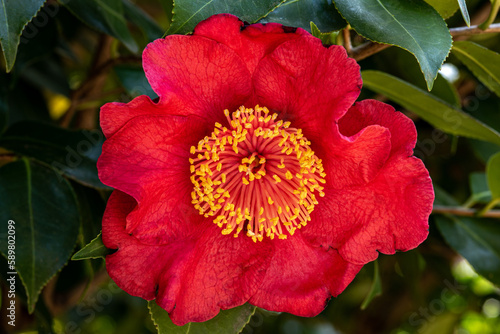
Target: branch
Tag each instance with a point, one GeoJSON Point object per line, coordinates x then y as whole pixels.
{"type": "Point", "coordinates": [369, 48]}
{"type": "Point", "coordinates": [460, 211]}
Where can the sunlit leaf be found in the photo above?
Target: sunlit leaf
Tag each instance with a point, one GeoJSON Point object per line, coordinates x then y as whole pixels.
{"type": "Point", "coordinates": [435, 111]}
{"type": "Point", "coordinates": [14, 16]}
{"type": "Point", "coordinates": [188, 13]}
{"type": "Point", "coordinates": [230, 321]}
{"type": "Point", "coordinates": [405, 24]}
{"type": "Point", "coordinates": [484, 63]}
{"type": "Point", "coordinates": [46, 220]}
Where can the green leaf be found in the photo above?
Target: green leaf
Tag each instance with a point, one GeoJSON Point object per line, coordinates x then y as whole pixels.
{"type": "Point", "coordinates": [299, 13]}
{"type": "Point", "coordinates": [445, 8]}
{"type": "Point", "coordinates": [327, 38]}
{"type": "Point", "coordinates": [91, 207]}
{"type": "Point", "coordinates": [484, 63]}
{"type": "Point", "coordinates": [493, 175]}
{"type": "Point", "coordinates": [106, 16]}
{"type": "Point", "coordinates": [376, 289]}
{"type": "Point", "coordinates": [46, 220]}
{"type": "Point", "coordinates": [142, 20]}
{"type": "Point", "coordinates": [94, 250]}
{"type": "Point", "coordinates": [465, 12]}
{"type": "Point", "coordinates": [188, 13]}
{"type": "Point", "coordinates": [476, 240]}
{"type": "Point", "coordinates": [14, 16]}
{"type": "Point", "coordinates": [432, 109]}
{"type": "Point", "coordinates": [479, 187]}
{"type": "Point", "coordinates": [483, 150]}
{"type": "Point", "coordinates": [405, 24]}
{"type": "Point", "coordinates": [134, 80]}
{"type": "Point", "coordinates": [74, 153]}
{"type": "Point", "coordinates": [168, 6]}
{"type": "Point", "coordinates": [230, 321]}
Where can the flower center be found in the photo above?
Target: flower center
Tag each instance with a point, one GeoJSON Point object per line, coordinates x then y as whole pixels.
{"type": "Point", "coordinates": [260, 175]}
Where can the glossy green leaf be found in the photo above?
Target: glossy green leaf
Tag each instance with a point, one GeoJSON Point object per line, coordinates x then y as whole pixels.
{"type": "Point", "coordinates": [188, 13]}
{"type": "Point", "coordinates": [484, 63]}
{"type": "Point", "coordinates": [230, 321]}
{"type": "Point", "coordinates": [405, 24]}
{"type": "Point", "coordinates": [464, 11]}
{"type": "Point", "coordinates": [106, 16]}
{"type": "Point", "coordinates": [376, 289]}
{"type": "Point", "coordinates": [299, 13]}
{"type": "Point", "coordinates": [45, 213]}
{"type": "Point", "coordinates": [142, 20]}
{"type": "Point", "coordinates": [94, 250]}
{"type": "Point", "coordinates": [493, 175]}
{"type": "Point", "coordinates": [74, 153]}
{"type": "Point", "coordinates": [445, 8]}
{"type": "Point", "coordinates": [14, 16]}
{"type": "Point", "coordinates": [435, 111]}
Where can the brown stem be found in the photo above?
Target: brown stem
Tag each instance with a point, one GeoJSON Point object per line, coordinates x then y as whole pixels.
{"type": "Point", "coordinates": [347, 39]}
{"type": "Point", "coordinates": [95, 80]}
{"type": "Point", "coordinates": [369, 48]}
{"type": "Point", "coordinates": [459, 211]}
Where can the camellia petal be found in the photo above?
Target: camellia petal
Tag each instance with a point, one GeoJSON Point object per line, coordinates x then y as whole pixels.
{"type": "Point", "coordinates": [388, 212]}
{"type": "Point", "coordinates": [253, 178]}
{"type": "Point", "coordinates": [216, 271]}
{"type": "Point", "coordinates": [207, 76]}
{"type": "Point", "coordinates": [250, 42]}
{"type": "Point", "coordinates": [302, 283]}
{"type": "Point", "coordinates": [310, 85]}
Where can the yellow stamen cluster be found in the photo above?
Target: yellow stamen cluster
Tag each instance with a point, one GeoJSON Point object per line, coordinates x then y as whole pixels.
{"type": "Point", "coordinates": [257, 173]}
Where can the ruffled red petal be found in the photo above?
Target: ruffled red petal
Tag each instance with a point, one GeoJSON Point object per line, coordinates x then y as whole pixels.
{"type": "Point", "coordinates": [390, 210]}
{"type": "Point", "coordinates": [206, 76]}
{"type": "Point", "coordinates": [148, 158]}
{"type": "Point", "coordinates": [192, 277]}
{"type": "Point", "coordinates": [308, 84]}
{"type": "Point", "coordinates": [301, 278]}
{"type": "Point", "coordinates": [373, 112]}
{"type": "Point", "coordinates": [250, 42]}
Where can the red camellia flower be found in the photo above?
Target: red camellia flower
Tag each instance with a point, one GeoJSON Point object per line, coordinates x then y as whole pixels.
{"type": "Point", "coordinates": [254, 177]}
